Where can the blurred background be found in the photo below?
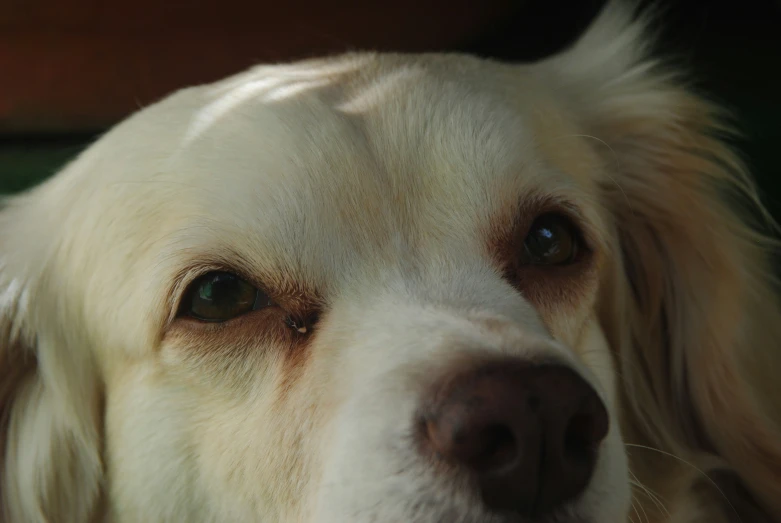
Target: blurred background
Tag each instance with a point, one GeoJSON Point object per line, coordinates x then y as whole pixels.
{"type": "Point", "coordinates": [69, 70]}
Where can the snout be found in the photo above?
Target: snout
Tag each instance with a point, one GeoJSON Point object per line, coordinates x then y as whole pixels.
{"type": "Point", "coordinates": [526, 434]}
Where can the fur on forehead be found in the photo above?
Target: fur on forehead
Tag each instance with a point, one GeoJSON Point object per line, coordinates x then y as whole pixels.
{"type": "Point", "coordinates": [372, 133]}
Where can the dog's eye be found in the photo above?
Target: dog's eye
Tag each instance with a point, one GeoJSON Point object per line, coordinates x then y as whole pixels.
{"type": "Point", "coordinates": [552, 240]}
{"type": "Point", "coordinates": [220, 296]}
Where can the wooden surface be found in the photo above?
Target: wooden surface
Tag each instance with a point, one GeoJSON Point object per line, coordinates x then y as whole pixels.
{"type": "Point", "coordinates": [83, 64]}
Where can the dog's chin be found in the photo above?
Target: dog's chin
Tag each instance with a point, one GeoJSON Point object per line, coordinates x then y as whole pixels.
{"type": "Point", "coordinates": [480, 516]}
{"type": "Point", "coordinates": [518, 518]}
{"type": "Point", "coordinates": [553, 518]}
{"type": "Point", "coordinates": [431, 511]}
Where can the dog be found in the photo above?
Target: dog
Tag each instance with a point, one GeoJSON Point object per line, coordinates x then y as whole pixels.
{"type": "Point", "coordinates": [399, 288]}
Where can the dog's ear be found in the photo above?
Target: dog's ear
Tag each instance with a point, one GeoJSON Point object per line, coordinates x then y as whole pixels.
{"type": "Point", "coordinates": [49, 397]}
{"type": "Point", "coordinates": [693, 315]}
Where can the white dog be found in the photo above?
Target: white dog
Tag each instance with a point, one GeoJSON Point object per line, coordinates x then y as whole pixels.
{"type": "Point", "coordinates": [389, 288]}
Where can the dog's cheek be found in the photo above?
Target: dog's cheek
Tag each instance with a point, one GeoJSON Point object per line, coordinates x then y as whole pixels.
{"type": "Point", "coordinates": [230, 356]}
{"type": "Point", "coordinates": [241, 391]}
{"type": "Point", "coordinates": [207, 441]}
{"type": "Point", "coordinates": [148, 449]}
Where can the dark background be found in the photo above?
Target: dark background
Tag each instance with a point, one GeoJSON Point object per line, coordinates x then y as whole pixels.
{"type": "Point", "coordinates": [65, 78]}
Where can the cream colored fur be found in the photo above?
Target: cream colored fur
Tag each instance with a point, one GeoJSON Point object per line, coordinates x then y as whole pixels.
{"type": "Point", "coordinates": [376, 181]}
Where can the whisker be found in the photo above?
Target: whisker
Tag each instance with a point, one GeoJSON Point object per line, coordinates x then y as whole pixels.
{"type": "Point", "coordinates": [635, 503]}
{"type": "Point", "coordinates": [655, 499]}
{"type": "Point", "coordinates": [634, 507]}
{"type": "Point", "coordinates": [694, 467]}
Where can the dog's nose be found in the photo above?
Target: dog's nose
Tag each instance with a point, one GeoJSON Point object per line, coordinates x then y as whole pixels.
{"type": "Point", "coordinates": [528, 434]}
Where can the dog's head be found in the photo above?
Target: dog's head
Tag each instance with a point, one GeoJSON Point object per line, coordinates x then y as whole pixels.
{"type": "Point", "coordinates": [394, 288]}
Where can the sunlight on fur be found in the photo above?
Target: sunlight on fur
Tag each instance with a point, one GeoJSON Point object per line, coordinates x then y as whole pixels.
{"type": "Point", "coordinates": [377, 287]}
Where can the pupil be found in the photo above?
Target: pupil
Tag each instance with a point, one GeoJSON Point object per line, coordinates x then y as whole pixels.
{"type": "Point", "coordinates": [546, 241]}
{"type": "Point", "coordinates": [220, 296]}
{"type": "Point", "coordinates": [222, 288]}
{"type": "Point", "coordinates": [550, 241]}
{"type": "Point", "coordinates": [205, 292]}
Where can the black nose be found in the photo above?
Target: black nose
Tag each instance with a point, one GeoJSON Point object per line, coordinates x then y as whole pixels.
{"type": "Point", "coordinates": [528, 434]}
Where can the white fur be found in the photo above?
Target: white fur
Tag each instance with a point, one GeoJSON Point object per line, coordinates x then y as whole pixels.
{"type": "Point", "coordinates": [373, 179]}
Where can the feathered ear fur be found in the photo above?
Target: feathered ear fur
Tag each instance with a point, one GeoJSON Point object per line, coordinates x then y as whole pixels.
{"type": "Point", "coordinates": [49, 397]}
{"type": "Point", "coordinates": [693, 313]}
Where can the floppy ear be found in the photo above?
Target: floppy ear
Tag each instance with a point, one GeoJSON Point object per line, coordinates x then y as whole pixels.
{"type": "Point", "coordinates": [49, 410]}
{"type": "Point", "coordinates": [693, 314]}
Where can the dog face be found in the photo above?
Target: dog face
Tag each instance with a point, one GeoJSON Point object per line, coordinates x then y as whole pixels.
{"type": "Point", "coordinates": [391, 288]}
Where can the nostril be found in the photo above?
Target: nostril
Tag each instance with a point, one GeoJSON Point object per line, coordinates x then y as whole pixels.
{"type": "Point", "coordinates": [499, 448]}
{"type": "Point", "coordinates": [527, 434]}
{"type": "Point", "coordinates": [585, 430]}
{"type": "Point", "coordinates": [578, 445]}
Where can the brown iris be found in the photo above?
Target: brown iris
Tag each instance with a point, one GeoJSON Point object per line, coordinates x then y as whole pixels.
{"type": "Point", "coordinates": [552, 240]}
{"type": "Point", "coordinates": [221, 296]}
